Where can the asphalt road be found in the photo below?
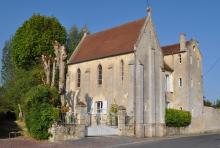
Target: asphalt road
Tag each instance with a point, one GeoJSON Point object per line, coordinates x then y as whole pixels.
{"type": "Point", "coordinates": [202, 141]}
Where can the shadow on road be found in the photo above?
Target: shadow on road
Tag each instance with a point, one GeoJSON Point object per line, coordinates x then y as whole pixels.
{"type": "Point", "coordinates": [8, 124]}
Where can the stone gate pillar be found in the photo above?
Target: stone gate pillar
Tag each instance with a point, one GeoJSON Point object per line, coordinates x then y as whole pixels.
{"type": "Point", "coordinates": [121, 120]}
{"type": "Point", "coordinates": [81, 120]}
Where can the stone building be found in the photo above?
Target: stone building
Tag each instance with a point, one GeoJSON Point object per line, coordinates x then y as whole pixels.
{"type": "Point", "coordinates": [127, 66]}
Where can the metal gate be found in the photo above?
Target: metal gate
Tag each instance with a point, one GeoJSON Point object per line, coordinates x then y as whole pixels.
{"type": "Point", "coordinates": [101, 124]}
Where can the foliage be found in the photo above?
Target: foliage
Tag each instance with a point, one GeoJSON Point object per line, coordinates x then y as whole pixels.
{"type": "Point", "coordinates": [216, 104]}
{"type": "Point", "coordinates": [40, 112]}
{"type": "Point", "coordinates": [34, 38]}
{"type": "Point", "coordinates": [8, 69]}
{"type": "Point", "coordinates": [74, 37]}
{"type": "Point", "coordinates": [114, 108]}
{"type": "Point", "coordinates": [208, 103]}
{"type": "Point", "coordinates": [177, 118]}
{"type": "Point", "coordinates": [5, 104]}
{"type": "Point", "coordinates": [112, 117]}
{"type": "Point", "coordinates": [16, 89]}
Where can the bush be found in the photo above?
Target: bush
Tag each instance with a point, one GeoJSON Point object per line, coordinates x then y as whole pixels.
{"type": "Point", "coordinates": [40, 112]}
{"type": "Point", "coordinates": [177, 118]}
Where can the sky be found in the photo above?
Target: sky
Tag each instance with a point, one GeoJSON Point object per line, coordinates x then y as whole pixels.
{"type": "Point", "coordinates": [199, 19]}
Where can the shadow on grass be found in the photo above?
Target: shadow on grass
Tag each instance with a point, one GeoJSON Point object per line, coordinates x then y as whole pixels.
{"type": "Point", "coordinates": [7, 125]}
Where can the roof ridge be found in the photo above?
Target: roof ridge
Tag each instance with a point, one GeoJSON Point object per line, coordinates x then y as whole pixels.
{"type": "Point", "coordinates": [174, 44]}
{"type": "Point", "coordinates": [121, 25]}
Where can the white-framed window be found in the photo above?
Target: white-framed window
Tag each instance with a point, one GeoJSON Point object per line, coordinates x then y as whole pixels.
{"type": "Point", "coordinates": [180, 82]}
{"type": "Point", "coordinates": [99, 107]}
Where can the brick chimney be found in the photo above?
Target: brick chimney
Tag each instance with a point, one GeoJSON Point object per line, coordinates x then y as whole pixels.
{"type": "Point", "coordinates": [182, 42]}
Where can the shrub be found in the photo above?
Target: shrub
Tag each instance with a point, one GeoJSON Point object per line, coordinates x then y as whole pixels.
{"type": "Point", "coordinates": [177, 118]}
{"type": "Point", "coordinates": [40, 112]}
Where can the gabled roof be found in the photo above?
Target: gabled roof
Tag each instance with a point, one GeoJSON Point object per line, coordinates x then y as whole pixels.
{"type": "Point", "coordinates": [111, 42]}
{"type": "Point", "coordinates": [172, 49]}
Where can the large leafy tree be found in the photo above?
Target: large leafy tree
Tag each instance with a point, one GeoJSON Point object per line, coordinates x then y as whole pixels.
{"type": "Point", "coordinates": [35, 38]}
{"type": "Point", "coordinates": [74, 36]}
{"type": "Point", "coordinates": [8, 68]}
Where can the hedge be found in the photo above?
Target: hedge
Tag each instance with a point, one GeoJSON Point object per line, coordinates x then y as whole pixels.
{"type": "Point", "coordinates": [177, 118]}
{"type": "Point", "coordinates": [40, 111]}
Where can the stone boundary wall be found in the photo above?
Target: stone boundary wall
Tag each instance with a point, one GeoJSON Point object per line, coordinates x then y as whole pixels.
{"type": "Point", "coordinates": [211, 119]}
{"type": "Point", "coordinates": [173, 131]}
{"type": "Point", "coordinates": [70, 131]}
{"type": "Point", "coordinates": [66, 132]}
{"type": "Point", "coordinates": [125, 123]}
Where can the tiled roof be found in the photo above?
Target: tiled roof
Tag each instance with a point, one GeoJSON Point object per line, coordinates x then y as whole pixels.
{"type": "Point", "coordinates": [111, 42]}
{"type": "Point", "coordinates": [172, 49]}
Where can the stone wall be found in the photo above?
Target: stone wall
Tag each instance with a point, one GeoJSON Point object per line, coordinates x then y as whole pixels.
{"type": "Point", "coordinates": [70, 131]}
{"type": "Point", "coordinates": [173, 131]}
{"type": "Point", "coordinates": [211, 119]}
{"type": "Point", "coordinates": [66, 132]}
{"type": "Point", "coordinates": [126, 125]}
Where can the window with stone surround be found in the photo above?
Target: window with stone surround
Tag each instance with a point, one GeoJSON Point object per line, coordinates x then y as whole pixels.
{"type": "Point", "coordinates": [180, 58]}
{"type": "Point", "coordinates": [180, 82]}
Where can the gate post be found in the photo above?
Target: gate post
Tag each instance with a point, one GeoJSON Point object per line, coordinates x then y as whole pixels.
{"type": "Point", "coordinates": [121, 119]}
{"type": "Point", "coordinates": [81, 120]}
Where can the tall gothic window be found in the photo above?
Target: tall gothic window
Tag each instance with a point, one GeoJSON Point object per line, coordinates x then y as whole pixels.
{"type": "Point", "coordinates": [122, 70]}
{"type": "Point", "coordinates": [100, 74]}
{"type": "Point", "coordinates": [78, 77]}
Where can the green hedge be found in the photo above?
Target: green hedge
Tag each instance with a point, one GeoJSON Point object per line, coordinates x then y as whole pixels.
{"type": "Point", "coordinates": [177, 118]}
{"type": "Point", "coordinates": [40, 112]}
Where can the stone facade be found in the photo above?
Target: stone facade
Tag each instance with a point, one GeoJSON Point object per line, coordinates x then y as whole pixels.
{"type": "Point", "coordinates": [145, 82]}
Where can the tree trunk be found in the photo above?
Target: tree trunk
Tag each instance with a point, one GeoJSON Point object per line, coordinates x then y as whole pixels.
{"type": "Point", "coordinates": [46, 63]}
{"type": "Point", "coordinates": [53, 73]}
{"type": "Point", "coordinates": [62, 67]}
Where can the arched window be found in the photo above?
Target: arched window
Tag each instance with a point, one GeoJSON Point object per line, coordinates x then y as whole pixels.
{"type": "Point", "coordinates": [122, 70]}
{"type": "Point", "coordinates": [100, 74]}
{"type": "Point", "coordinates": [78, 77]}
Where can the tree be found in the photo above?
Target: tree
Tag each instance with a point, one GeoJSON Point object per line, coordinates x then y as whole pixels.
{"type": "Point", "coordinates": [35, 38]}
{"type": "Point", "coordinates": [8, 68]}
{"type": "Point", "coordinates": [74, 37]}
{"type": "Point", "coordinates": [207, 103]}
{"type": "Point", "coordinates": [217, 104]}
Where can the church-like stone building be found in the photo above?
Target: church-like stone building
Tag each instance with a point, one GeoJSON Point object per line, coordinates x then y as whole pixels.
{"type": "Point", "coordinates": [127, 66]}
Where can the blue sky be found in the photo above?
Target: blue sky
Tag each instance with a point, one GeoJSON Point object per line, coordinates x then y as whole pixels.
{"type": "Point", "coordinates": [197, 18]}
